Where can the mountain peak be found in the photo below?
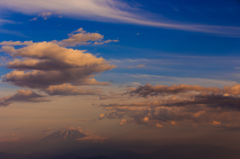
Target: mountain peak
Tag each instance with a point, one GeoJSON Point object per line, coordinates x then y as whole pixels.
{"type": "Point", "coordinates": [65, 134]}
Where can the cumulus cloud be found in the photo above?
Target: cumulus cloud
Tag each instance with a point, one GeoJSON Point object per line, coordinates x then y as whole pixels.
{"type": "Point", "coordinates": [179, 104]}
{"type": "Point", "coordinates": [110, 10]}
{"type": "Point", "coordinates": [22, 96]}
{"type": "Point", "coordinates": [7, 49]}
{"type": "Point", "coordinates": [53, 68]}
{"type": "Point", "coordinates": [43, 64]}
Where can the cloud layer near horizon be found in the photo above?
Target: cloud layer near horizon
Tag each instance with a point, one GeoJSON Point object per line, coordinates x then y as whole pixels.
{"type": "Point", "coordinates": [179, 104]}
{"type": "Point", "coordinates": [109, 10]}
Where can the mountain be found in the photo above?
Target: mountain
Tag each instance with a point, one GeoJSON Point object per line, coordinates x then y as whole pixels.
{"type": "Point", "coordinates": [65, 134]}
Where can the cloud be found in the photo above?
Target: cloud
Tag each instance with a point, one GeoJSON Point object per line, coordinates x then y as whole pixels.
{"type": "Point", "coordinates": [101, 116]}
{"type": "Point", "coordinates": [43, 64]}
{"type": "Point", "coordinates": [4, 21]}
{"type": "Point", "coordinates": [44, 15]}
{"type": "Point", "coordinates": [78, 37]}
{"type": "Point", "coordinates": [138, 66]}
{"type": "Point", "coordinates": [68, 89]}
{"type": "Point", "coordinates": [149, 90]}
{"type": "Point", "coordinates": [168, 80]}
{"type": "Point", "coordinates": [22, 96]}
{"type": "Point", "coordinates": [110, 11]}
{"type": "Point", "coordinates": [179, 104]}
{"type": "Point", "coordinates": [34, 19]}
{"type": "Point", "coordinates": [7, 49]}
{"type": "Point", "coordinates": [172, 116]}
{"type": "Point", "coordinates": [105, 42]}
{"type": "Point", "coordinates": [81, 37]}
{"type": "Point", "coordinates": [55, 69]}
{"type": "Point", "coordinates": [16, 43]}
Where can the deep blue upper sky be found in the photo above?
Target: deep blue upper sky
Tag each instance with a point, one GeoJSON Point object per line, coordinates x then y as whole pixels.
{"type": "Point", "coordinates": [152, 42]}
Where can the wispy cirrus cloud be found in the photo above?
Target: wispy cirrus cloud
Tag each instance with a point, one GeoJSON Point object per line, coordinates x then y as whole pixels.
{"type": "Point", "coordinates": [4, 21]}
{"type": "Point", "coordinates": [110, 11]}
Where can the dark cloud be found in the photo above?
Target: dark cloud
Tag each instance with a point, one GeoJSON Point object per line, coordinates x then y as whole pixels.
{"type": "Point", "coordinates": [158, 90]}
{"type": "Point", "coordinates": [22, 96]}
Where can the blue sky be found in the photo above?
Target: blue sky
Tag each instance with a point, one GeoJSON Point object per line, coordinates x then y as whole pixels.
{"type": "Point", "coordinates": [152, 42]}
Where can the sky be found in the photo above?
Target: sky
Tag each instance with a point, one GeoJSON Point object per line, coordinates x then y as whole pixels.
{"type": "Point", "coordinates": [154, 72]}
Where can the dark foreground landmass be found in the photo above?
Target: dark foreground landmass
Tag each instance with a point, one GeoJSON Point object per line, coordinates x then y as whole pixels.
{"type": "Point", "coordinates": [166, 152]}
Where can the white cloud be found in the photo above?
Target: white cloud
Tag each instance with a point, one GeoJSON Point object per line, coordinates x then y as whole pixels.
{"type": "Point", "coordinates": [108, 10]}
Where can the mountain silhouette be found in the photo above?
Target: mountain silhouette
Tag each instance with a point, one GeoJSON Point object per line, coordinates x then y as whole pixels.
{"type": "Point", "coordinates": [65, 134]}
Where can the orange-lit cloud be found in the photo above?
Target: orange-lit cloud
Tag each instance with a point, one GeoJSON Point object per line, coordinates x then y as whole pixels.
{"type": "Point", "coordinates": [44, 64]}
{"type": "Point", "coordinates": [174, 105]}
{"type": "Point", "coordinates": [15, 43]}
{"type": "Point", "coordinates": [81, 37]}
